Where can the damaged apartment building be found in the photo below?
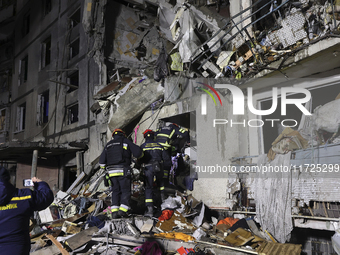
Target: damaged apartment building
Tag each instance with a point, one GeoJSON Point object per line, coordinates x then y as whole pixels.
{"type": "Point", "coordinates": [228, 71]}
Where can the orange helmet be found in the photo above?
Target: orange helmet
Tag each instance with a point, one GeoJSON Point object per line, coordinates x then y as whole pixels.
{"type": "Point", "coordinates": [148, 131]}
{"type": "Point", "coordinates": [118, 130]}
{"type": "Point", "coordinates": [174, 124]}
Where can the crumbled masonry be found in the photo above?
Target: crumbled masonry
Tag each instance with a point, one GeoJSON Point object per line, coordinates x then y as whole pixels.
{"type": "Point", "coordinates": [158, 47]}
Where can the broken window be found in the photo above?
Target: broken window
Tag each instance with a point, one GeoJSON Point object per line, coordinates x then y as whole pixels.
{"type": "Point", "coordinates": [42, 108]}
{"type": "Point", "coordinates": [46, 52]}
{"type": "Point", "coordinates": [26, 24]}
{"type": "Point", "coordinates": [23, 70]}
{"type": "Point", "coordinates": [21, 118]}
{"type": "Point", "coordinates": [70, 175]}
{"type": "Point", "coordinates": [2, 119]}
{"type": "Point", "coordinates": [47, 6]}
{"type": "Point", "coordinates": [320, 96]}
{"type": "Point", "coordinates": [72, 114]}
{"type": "Point", "coordinates": [74, 48]}
{"type": "Point", "coordinates": [73, 79]}
{"type": "Point", "coordinates": [74, 19]}
{"type": "Point", "coordinates": [4, 80]}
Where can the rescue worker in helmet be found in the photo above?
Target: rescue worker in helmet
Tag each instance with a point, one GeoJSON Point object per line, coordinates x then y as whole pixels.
{"type": "Point", "coordinates": [166, 136]}
{"type": "Point", "coordinates": [116, 159]}
{"type": "Point", "coordinates": [152, 162]}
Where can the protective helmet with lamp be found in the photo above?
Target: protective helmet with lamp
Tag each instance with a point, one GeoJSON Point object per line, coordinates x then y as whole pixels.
{"type": "Point", "coordinates": [118, 130]}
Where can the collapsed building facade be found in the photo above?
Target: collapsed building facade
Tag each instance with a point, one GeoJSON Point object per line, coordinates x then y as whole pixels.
{"type": "Point", "coordinates": [84, 68]}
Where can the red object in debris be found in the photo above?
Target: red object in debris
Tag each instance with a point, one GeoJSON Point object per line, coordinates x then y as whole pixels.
{"type": "Point", "coordinates": [166, 214]}
{"type": "Point", "coordinates": [228, 221]}
{"type": "Point", "coordinates": [184, 251]}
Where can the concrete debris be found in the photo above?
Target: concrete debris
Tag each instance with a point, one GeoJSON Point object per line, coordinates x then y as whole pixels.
{"type": "Point", "coordinates": [149, 42]}
{"type": "Point", "coordinates": [94, 230]}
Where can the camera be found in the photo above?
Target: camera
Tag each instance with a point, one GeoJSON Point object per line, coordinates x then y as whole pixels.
{"type": "Point", "coordinates": [28, 183]}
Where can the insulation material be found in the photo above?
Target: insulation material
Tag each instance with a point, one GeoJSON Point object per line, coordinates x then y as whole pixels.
{"type": "Point", "coordinates": [273, 205]}
{"type": "Point", "coordinates": [214, 43]}
{"type": "Point", "coordinates": [291, 32]}
{"type": "Point", "coordinates": [175, 26]}
{"type": "Point", "coordinates": [238, 41]}
{"type": "Point", "coordinates": [165, 17]}
{"type": "Point", "coordinates": [224, 58]}
{"type": "Point", "coordinates": [188, 45]}
{"type": "Point", "coordinates": [327, 117]}
{"type": "Point", "coordinates": [176, 62]}
{"type": "Point", "coordinates": [210, 66]}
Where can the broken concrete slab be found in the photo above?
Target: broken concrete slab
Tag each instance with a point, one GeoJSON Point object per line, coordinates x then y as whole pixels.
{"type": "Point", "coordinates": [81, 238]}
{"type": "Point", "coordinates": [135, 102]}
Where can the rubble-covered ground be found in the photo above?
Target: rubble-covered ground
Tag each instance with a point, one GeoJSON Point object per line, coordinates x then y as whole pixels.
{"type": "Point", "coordinates": [197, 40]}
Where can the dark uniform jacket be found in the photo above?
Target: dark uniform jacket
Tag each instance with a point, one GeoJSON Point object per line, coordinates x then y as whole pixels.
{"type": "Point", "coordinates": [16, 208]}
{"type": "Point", "coordinates": [169, 135]}
{"type": "Point", "coordinates": [154, 152]}
{"type": "Point", "coordinates": [118, 152]}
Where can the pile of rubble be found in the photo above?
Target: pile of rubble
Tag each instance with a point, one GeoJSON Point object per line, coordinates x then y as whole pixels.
{"type": "Point", "coordinates": [189, 37]}
{"type": "Point", "coordinates": [79, 222]}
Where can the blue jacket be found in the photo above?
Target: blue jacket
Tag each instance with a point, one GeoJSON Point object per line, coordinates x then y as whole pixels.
{"type": "Point", "coordinates": [16, 208]}
{"type": "Point", "coordinates": [118, 151]}
{"type": "Point", "coordinates": [154, 152]}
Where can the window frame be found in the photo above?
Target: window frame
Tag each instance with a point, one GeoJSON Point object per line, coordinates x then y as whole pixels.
{"type": "Point", "coordinates": [3, 125]}
{"type": "Point", "coordinates": [23, 70]}
{"type": "Point", "coordinates": [71, 56]}
{"type": "Point", "coordinates": [256, 135]}
{"type": "Point", "coordinates": [69, 79]}
{"type": "Point", "coordinates": [46, 52]}
{"type": "Point", "coordinates": [43, 108]}
{"type": "Point", "coordinates": [72, 22]}
{"type": "Point", "coordinates": [20, 124]}
{"type": "Point", "coordinates": [47, 6]}
{"type": "Point", "coordinates": [69, 114]}
{"type": "Point", "coordinates": [26, 24]}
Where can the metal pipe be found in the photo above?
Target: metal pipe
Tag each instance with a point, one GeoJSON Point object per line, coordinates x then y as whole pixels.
{"type": "Point", "coordinates": [206, 60]}
{"type": "Point", "coordinates": [231, 28]}
{"type": "Point", "coordinates": [244, 212]}
{"type": "Point", "coordinates": [34, 164]}
{"type": "Point", "coordinates": [221, 29]}
{"type": "Point", "coordinates": [79, 162]}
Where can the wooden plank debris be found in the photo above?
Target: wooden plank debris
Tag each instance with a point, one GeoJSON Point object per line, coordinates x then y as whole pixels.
{"type": "Point", "coordinates": [59, 246]}
{"type": "Point", "coordinates": [239, 237]}
{"type": "Point", "coordinates": [81, 238]}
{"type": "Point", "coordinates": [268, 248]}
{"type": "Point", "coordinates": [60, 222]}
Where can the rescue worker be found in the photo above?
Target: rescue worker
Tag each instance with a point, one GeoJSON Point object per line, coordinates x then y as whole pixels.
{"type": "Point", "coordinates": [16, 208]}
{"type": "Point", "coordinates": [152, 162]}
{"type": "Point", "coordinates": [116, 158]}
{"type": "Point", "coordinates": [165, 137]}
